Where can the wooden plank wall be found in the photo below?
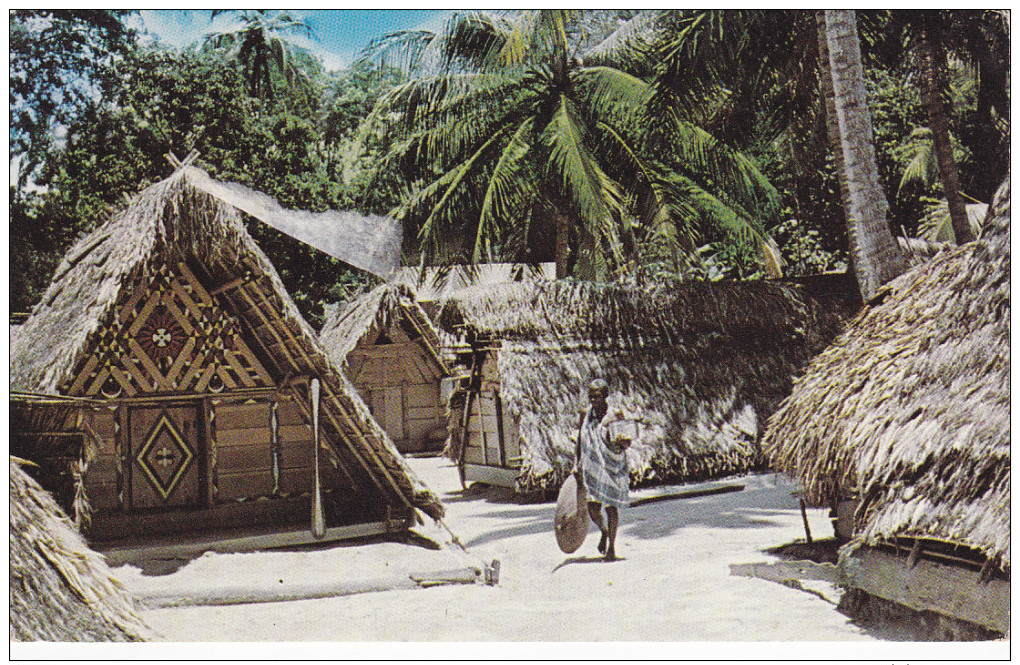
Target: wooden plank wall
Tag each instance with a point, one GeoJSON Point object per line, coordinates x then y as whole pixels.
{"type": "Point", "coordinates": [487, 417]}
{"type": "Point", "coordinates": [244, 458]}
{"type": "Point", "coordinates": [400, 383]}
{"type": "Point", "coordinates": [101, 477]}
{"type": "Point", "coordinates": [244, 454]}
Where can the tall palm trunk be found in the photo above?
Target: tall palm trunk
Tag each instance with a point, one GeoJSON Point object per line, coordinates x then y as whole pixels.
{"type": "Point", "coordinates": [933, 60]}
{"type": "Point", "coordinates": [875, 255]}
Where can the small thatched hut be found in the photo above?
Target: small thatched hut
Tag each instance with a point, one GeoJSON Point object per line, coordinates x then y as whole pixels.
{"type": "Point", "coordinates": [61, 591]}
{"type": "Point", "coordinates": [906, 417]}
{"type": "Point", "coordinates": [391, 352]}
{"type": "Point", "coordinates": [172, 317]}
{"type": "Point", "coordinates": [697, 366]}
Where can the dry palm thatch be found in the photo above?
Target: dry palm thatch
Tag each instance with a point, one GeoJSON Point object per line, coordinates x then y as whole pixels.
{"type": "Point", "coordinates": [698, 366]}
{"type": "Point", "coordinates": [909, 407]}
{"type": "Point", "coordinates": [377, 310]}
{"type": "Point", "coordinates": [61, 591]}
{"type": "Point", "coordinates": [438, 283]}
{"type": "Point", "coordinates": [176, 221]}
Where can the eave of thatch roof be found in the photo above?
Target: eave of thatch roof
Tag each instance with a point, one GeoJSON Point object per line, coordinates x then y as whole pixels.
{"type": "Point", "coordinates": [175, 220]}
{"type": "Point", "coordinates": [438, 283]}
{"type": "Point", "coordinates": [698, 365]}
{"type": "Point", "coordinates": [374, 311]}
{"type": "Point", "coordinates": [61, 591]}
{"type": "Point", "coordinates": [909, 407]}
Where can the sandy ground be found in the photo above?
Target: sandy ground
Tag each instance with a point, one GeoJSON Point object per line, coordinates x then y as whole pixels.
{"type": "Point", "coordinates": [673, 582]}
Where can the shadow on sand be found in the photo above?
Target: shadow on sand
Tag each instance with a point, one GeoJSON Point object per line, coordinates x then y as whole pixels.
{"type": "Point", "coordinates": [587, 559]}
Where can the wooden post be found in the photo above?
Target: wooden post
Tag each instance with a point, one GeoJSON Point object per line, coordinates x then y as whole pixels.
{"type": "Point", "coordinates": [318, 520]}
{"type": "Point", "coordinates": [803, 515]}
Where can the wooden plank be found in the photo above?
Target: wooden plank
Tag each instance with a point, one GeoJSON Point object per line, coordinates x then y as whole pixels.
{"type": "Point", "coordinates": [123, 381]}
{"type": "Point", "coordinates": [179, 316]}
{"type": "Point", "coordinates": [98, 382]}
{"type": "Point", "coordinates": [226, 438]}
{"type": "Point", "coordinates": [102, 496]}
{"type": "Point", "coordinates": [203, 381]}
{"type": "Point", "coordinates": [253, 360]}
{"type": "Point", "coordinates": [104, 422]}
{"type": "Point", "coordinates": [393, 415]}
{"type": "Point", "coordinates": [244, 485]}
{"type": "Point", "coordinates": [225, 377]}
{"type": "Point", "coordinates": [276, 539]}
{"type": "Point", "coordinates": [159, 380]}
{"type": "Point", "coordinates": [288, 433]}
{"type": "Point", "coordinates": [239, 369]}
{"type": "Point", "coordinates": [83, 376]}
{"type": "Point", "coordinates": [182, 359]}
{"type": "Point", "coordinates": [297, 454]}
{"type": "Point", "coordinates": [143, 315]}
{"type": "Point", "coordinates": [194, 368]}
{"type": "Point", "coordinates": [949, 590]}
{"type": "Point", "coordinates": [185, 297]}
{"type": "Point", "coordinates": [491, 475]}
{"type": "Point", "coordinates": [195, 284]}
{"type": "Point", "coordinates": [249, 415]}
{"type": "Point", "coordinates": [421, 395]}
{"type": "Point", "coordinates": [103, 469]}
{"type": "Point", "coordinates": [236, 459]}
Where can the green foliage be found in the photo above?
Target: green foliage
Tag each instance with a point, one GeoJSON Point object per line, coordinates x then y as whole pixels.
{"type": "Point", "coordinates": [157, 101]}
{"type": "Point", "coordinates": [504, 134]}
{"type": "Point", "coordinates": [55, 58]}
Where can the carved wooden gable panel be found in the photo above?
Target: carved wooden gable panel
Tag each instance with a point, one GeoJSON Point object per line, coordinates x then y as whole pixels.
{"type": "Point", "coordinates": [168, 336]}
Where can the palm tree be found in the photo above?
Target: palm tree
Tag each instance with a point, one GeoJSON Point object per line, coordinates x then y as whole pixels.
{"type": "Point", "coordinates": [262, 42]}
{"type": "Point", "coordinates": [876, 257]}
{"type": "Point", "coordinates": [976, 38]}
{"type": "Point", "coordinates": [527, 136]}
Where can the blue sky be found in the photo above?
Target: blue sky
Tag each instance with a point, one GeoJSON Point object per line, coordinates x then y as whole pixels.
{"type": "Point", "coordinates": [341, 33]}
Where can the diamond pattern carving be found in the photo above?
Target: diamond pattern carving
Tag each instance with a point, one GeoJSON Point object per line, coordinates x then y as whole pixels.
{"type": "Point", "coordinates": [165, 456]}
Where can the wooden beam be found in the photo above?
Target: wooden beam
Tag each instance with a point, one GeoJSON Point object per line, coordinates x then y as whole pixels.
{"type": "Point", "coordinates": [948, 590]}
{"type": "Point", "coordinates": [229, 285]}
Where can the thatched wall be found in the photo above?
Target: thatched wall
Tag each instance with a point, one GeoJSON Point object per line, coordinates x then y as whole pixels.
{"type": "Point", "coordinates": [699, 366]}
{"type": "Point", "coordinates": [176, 221]}
{"type": "Point", "coordinates": [60, 590]}
{"type": "Point", "coordinates": [909, 407]}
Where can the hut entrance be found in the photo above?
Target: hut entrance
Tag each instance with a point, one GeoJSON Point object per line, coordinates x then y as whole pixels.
{"type": "Point", "coordinates": [166, 450]}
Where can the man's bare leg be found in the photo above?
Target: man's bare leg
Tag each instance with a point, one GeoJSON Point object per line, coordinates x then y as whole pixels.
{"type": "Point", "coordinates": [595, 510]}
{"type": "Point", "coordinates": [613, 513]}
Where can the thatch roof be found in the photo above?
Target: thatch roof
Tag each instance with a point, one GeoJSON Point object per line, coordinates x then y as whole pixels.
{"type": "Point", "coordinates": [699, 365]}
{"type": "Point", "coordinates": [61, 591]}
{"type": "Point", "coordinates": [377, 310]}
{"type": "Point", "coordinates": [439, 282]}
{"type": "Point", "coordinates": [176, 221]}
{"type": "Point", "coordinates": [910, 405]}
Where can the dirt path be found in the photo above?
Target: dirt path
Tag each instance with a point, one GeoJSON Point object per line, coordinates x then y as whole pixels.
{"type": "Point", "coordinates": [673, 582]}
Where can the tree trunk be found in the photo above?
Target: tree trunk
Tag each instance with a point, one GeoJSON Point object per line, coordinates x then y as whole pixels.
{"type": "Point", "coordinates": [875, 255]}
{"type": "Point", "coordinates": [562, 244]}
{"type": "Point", "coordinates": [933, 60]}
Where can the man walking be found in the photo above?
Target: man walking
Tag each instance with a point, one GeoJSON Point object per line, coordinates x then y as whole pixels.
{"type": "Point", "coordinates": [602, 467]}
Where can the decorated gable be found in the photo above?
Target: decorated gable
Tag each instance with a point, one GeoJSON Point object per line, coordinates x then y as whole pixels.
{"type": "Point", "coordinates": [167, 334]}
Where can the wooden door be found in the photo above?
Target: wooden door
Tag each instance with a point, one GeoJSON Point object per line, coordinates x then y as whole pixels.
{"type": "Point", "coordinates": [165, 454]}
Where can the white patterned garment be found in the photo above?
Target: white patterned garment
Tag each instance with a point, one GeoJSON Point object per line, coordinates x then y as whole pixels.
{"type": "Point", "coordinates": [606, 478]}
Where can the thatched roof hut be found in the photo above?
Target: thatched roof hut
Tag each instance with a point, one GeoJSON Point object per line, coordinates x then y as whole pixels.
{"type": "Point", "coordinates": [61, 591]}
{"type": "Point", "coordinates": [909, 407]}
{"type": "Point", "coordinates": [697, 366]}
{"type": "Point", "coordinates": [389, 349]}
{"type": "Point", "coordinates": [171, 314]}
